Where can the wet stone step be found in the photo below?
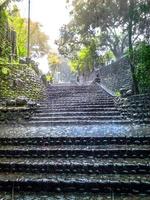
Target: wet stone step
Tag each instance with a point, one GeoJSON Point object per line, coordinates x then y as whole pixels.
{"type": "Point", "coordinates": [72, 196]}
{"type": "Point", "coordinates": [83, 113]}
{"type": "Point", "coordinates": [78, 117]}
{"type": "Point", "coordinates": [73, 183]}
{"type": "Point", "coordinates": [86, 166]}
{"type": "Point", "coordinates": [75, 109]}
{"type": "Point", "coordinates": [76, 141]}
{"type": "Point", "coordinates": [57, 152]}
{"type": "Point", "coordinates": [82, 98]}
{"type": "Point", "coordinates": [76, 122]}
{"type": "Point", "coordinates": [79, 106]}
{"type": "Point", "coordinates": [80, 102]}
{"type": "Point", "coordinates": [84, 161]}
{"type": "Point", "coordinates": [85, 95]}
{"type": "Point", "coordinates": [109, 147]}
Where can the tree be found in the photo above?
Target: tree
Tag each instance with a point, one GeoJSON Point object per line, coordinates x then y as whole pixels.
{"type": "Point", "coordinates": [38, 40]}
{"type": "Point", "coordinates": [54, 61]}
{"type": "Point", "coordinates": [5, 41]}
{"type": "Point", "coordinates": [120, 23]}
{"type": "Point", "coordinates": [141, 56]}
{"type": "Point", "coordinates": [85, 60]}
{"type": "Point", "coordinates": [18, 24]}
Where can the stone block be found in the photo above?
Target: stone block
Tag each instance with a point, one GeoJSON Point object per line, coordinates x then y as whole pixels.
{"type": "Point", "coordinates": [21, 101]}
{"type": "Point", "coordinates": [10, 103]}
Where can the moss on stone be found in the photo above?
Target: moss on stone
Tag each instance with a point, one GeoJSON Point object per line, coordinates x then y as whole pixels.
{"type": "Point", "coordinates": [21, 80]}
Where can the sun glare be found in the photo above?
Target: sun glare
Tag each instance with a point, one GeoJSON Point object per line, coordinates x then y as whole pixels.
{"type": "Point", "coordinates": [52, 14]}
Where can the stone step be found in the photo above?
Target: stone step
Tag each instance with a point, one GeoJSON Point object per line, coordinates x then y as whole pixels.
{"type": "Point", "coordinates": [73, 182]}
{"type": "Point", "coordinates": [45, 110]}
{"type": "Point", "coordinates": [75, 122]}
{"type": "Point", "coordinates": [109, 147]}
{"type": "Point", "coordinates": [83, 113]}
{"type": "Point", "coordinates": [80, 96]}
{"type": "Point", "coordinates": [72, 196]}
{"type": "Point", "coordinates": [75, 141]}
{"type": "Point", "coordinates": [77, 117]}
{"type": "Point", "coordinates": [68, 105]}
{"type": "Point", "coordinates": [76, 93]}
{"type": "Point", "coordinates": [88, 97]}
{"type": "Point", "coordinates": [105, 151]}
{"type": "Point", "coordinates": [76, 103]}
{"type": "Point", "coordinates": [80, 101]}
{"type": "Point", "coordinates": [78, 165]}
{"type": "Point", "coordinates": [77, 106]}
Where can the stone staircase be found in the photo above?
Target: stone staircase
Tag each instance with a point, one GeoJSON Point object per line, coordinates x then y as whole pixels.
{"type": "Point", "coordinates": [108, 165]}
{"type": "Point", "coordinates": [77, 105]}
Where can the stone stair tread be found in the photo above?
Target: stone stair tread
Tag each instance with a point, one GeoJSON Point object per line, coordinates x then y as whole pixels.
{"type": "Point", "coordinates": [72, 196]}
{"type": "Point", "coordinates": [78, 140]}
{"type": "Point", "coordinates": [76, 147]}
{"type": "Point", "coordinates": [75, 113]}
{"type": "Point", "coordinates": [47, 109]}
{"type": "Point", "coordinates": [136, 162]}
{"type": "Point", "coordinates": [70, 103]}
{"type": "Point", "coordinates": [77, 117]}
{"type": "Point", "coordinates": [81, 121]}
{"type": "Point", "coordinates": [78, 106]}
{"type": "Point", "coordinates": [77, 178]}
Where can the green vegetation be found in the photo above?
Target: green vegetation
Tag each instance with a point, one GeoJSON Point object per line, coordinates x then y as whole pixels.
{"type": "Point", "coordinates": [84, 60]}
{"type": "Point", "coordinates": [54, 62]}
{"type": "Point", "coordinates": [117, 94]}
{"type": "Point", "coordinates": [116, 27]}
{"type": "Point", "coordinates": [16, 79]}
{"type": "Point", "coordinates": [141, 55]}
{"type": "Point", "coordinates": [5, 46]}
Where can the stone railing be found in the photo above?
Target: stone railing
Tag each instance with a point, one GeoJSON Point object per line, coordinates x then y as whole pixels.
{"type": "Point", "coordinates": [116, 75]}
{"type": "Point", "coordinates": [136, 107]}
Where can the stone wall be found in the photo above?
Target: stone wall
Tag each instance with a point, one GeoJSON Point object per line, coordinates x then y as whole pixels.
{"type": "Point", "coordinates": [116, 75]}
{"type": "Point", "coordinates": [19, 80]}
{"type": "Point", "coordinates": [136, 107]}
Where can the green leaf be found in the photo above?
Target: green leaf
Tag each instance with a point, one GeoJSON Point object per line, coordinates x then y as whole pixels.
{"type": "Point", "coordinates": [5, 71]}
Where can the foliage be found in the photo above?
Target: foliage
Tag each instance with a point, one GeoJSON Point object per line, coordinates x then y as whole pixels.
{"type": "Point", "coordinates": [142, 62]}
{"type": "Point", "coordinates": [117, 94]}
{"type": "Point", "coordinates": [5, 44]}
{"type": "Point", "coordinates": [49, 78]}
{"type": "Point", "coordinates": [118, 24]}
{"type": "Point", "coordinates": [12, 22]}
{"type": "Point", "coordinates": [39, 40]}
{"type": "Point", "coordinates": [53, 61]}
{"type": "Point", "coordinates": [19, 25]}
{"type": "Point", "coordinates": [84, 61]}
{"type": "Point", "coordinates": [5, 71]}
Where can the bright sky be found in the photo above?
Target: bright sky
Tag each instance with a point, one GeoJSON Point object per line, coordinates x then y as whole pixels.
{"type": "Point", "coordinates": [52, 14]}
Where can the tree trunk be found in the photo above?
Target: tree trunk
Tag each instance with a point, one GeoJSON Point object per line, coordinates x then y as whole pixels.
{"type": "Point", "coordinates": [135, 88]}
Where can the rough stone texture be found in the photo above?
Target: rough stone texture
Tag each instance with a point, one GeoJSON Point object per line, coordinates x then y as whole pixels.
{"type": "Point", "coordinates": [116, 75]}
{"type": "Point", "coordinates": [16, 110]}
{"type": "Point", "coordinates": [20, 81]}
{"type": "Point", "coordinates": [17, 87]}
{"type": "Point", "coordinates": [14, 114]}
{"type": "Point", "coordinates": [136, 107]}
